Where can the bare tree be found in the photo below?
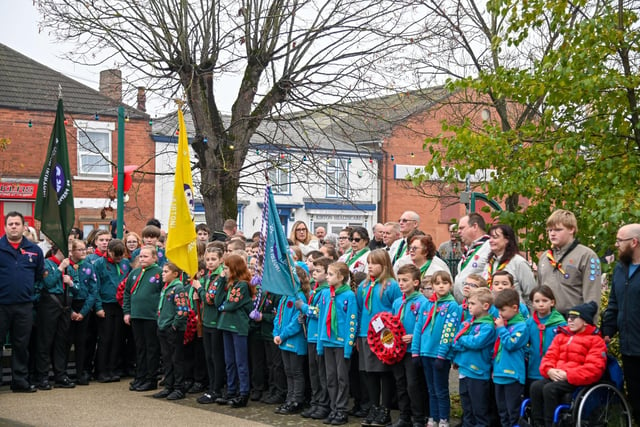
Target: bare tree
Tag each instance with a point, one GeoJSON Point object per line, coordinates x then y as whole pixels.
{"type": "Point", "coordinates": [291, 55]}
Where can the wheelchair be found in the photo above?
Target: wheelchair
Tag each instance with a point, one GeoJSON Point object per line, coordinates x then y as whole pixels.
{"type": "Point", "coordinates": [599, 405]}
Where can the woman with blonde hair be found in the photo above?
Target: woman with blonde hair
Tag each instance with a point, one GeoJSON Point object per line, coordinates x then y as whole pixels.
{"type": "Point", "coordinates": [301, 237]}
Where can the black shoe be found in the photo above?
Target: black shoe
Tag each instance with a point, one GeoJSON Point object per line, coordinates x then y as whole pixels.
{"type": "Point", "coordinates": [65, 383]}
{"type": "Point", "coordinates": [83, 380]}
{"type": "Point", "coordinates": [339, 419]}
{"type": "Point", "coordinates": [162, 393]}
{"type": "Point", "coordinates": [226, 399]}
{"type": "Point", "coordinates": [44, 385]}
{"type": "Point", "coordinates": [274, 399]}
{"type": "Point", "coordinates": [281, 408]}
{"type": "Point", "coordinates": [256, 395]}
{"type": "Point", "coordinates": [383, 418]}
{"type": "Point", "coordinates": [239, 402]}
{"type": "Point", "coordinates": [133, 385]}
{"type": "Point", "coordinates": [176, 395]}
{"type": "Point", "coordinates": [352, 411]}
{"type": "Point", "coordinates": [147, 386]}
{"type": "Point", "coordinates": [359, 412]}
{"type": "Point", "coordinates": [291, 408]}
{"type": "Point", "coordinates": [114, 379]}
{"type": "Point", "coordinates": [103, 379]}
{"type": "Point", "coordinates": [371, 416]}
{"type": "Point", "coordinates": [404, 423]}
{"type": "Point", "coordinates": [196, 388]}
{"type": "Point", "coordinates": [307, 412]}
{"type": "Point", "coordinates": [320, 413]}
{"type": "Point", "coordinates": [329, 418]}
{"type": "Point", "coordinates": [28, 389]}
{"type": "Point", "coordinates": [207, 398]}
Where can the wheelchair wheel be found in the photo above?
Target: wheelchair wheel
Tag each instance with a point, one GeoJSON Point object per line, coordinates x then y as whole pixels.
{"type": "Point", "coordinates": [601, 406]}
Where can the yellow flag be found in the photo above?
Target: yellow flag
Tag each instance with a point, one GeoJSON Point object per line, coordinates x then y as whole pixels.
{"type": "Point", "coordinates": [181, 240]}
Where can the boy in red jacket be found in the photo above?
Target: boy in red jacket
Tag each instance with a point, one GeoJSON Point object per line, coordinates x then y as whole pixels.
{"type": "Point", "coordinates": [577, 357]}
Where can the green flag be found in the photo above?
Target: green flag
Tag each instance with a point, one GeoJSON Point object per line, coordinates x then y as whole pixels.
{"type": "Point", "coordinates": [54, 200]}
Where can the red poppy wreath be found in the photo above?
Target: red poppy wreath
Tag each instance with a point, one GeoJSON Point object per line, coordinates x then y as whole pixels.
{"type": "Point", "coordinates": [385, 338]}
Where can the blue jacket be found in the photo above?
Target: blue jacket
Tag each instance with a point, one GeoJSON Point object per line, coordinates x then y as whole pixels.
{"type": "Point", "coordinates": [52, 280]}
{"type": "Point", "coordinates": [473, 348]}
{"type": "Point", "coordinates": [109, 277]}
{"type": "Point", "coordinates": [19, 270]}
{"type": "Point", "coordinates": [379, 303]}
{"type": "Point", "coordinates": [411, 310]}
{"type": "Point", "coordinates": [524, 310]}
{"type": "Point", "coordinates": [508, 363]}
{"type": "Point", "coordinates": [433, 335]}
{"type": "Point", "coordinates": [311, 310]}
{"type": "Point", "coordinates": [622, 314]}
{"type": "Point", "coordinates": [85, 285]}
{"type": "Point", "coordinates": [287, 326]}
{"type": "Point", "coordinates": [346, 311]}
{"type": "Point", "coordinates": [540, 338]}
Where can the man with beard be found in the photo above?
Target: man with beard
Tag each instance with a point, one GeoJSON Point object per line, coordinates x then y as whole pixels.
{"type": "Point", "coordinates": [570, 269]}
{"type": "Point", "coordinates": [471, 229]}
{"type": "Point", "coordinates": [622, 314]}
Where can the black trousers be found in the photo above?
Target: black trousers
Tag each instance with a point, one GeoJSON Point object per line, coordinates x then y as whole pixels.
{"type": "Point", "coordinates": [545, 396]}
{"type": "Point", "coordinates": [172, 358]}
{"type": "Point", "coordinates": [411, 387]}
{"type": "Point", "coordinates": [195, 368]}
{"type": "Point", "coordinates": [17, 320]}
{"type": "Point", "coordinates": [78, 331]}
{"type": "Point", "coordinates": [258, 361]}
{"type": "Point", "coordinates": [275, 365]}
{"type": "Point", "coordinates": [52, 347]}
{"type": "Point", "coordinates": [631, 368]}
{"type": "Point", "coordinates": [508, 399]}
{"type": "Point", "coordinates": [145, 336]}
{"type": "Point", "coordinates": [109, 339]}
{"type": "Point", "coordinates": [337, 368]}
{"type": "Point", "coordinates": [294, 371]}
{"type": "Point", "coordinates": [214, 358]}
{"type": "Point", "coordinates": [317, 377]}
{"type": "Point", "coordinates": [476, 409]}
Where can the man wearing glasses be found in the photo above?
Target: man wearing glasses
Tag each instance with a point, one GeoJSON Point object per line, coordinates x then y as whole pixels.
{"type": "Point", "coordinates": [471, 229]}
{"type": "Point", "coordinates": [570, 269]}
{"type": "Point", "coordinates": [409, 221]}
{"type": "Point", "coordinates": [622, 314]}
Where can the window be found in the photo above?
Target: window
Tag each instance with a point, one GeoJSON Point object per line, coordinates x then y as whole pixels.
{"type": "Point", "coordinates": [94, 148]}
{"type": "Point", "coordinates": [279, 176]}
{"type": "Point", "coordinates": [337, 178]}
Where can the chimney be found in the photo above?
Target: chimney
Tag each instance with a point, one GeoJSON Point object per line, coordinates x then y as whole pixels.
{"type": "Point", "coordinates": [142, 99]}
{"type": "Point", "coordinates": [111, 84]}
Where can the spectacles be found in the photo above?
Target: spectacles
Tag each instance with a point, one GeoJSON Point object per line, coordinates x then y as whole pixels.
{"type": "Point", "coordinates": [301, 229]}
{"type": "Point", "coordinates": [355, 239]}
{"type": "Point", "coordinates": [618, 241]}
{"type": "Point", "coordinates": [572, 317]}
{"type": "Point", "coordinates": [471, 285]}
{"type": "Point", "coordinates": [415, 248]}
{"type": "Point", "coordinates": [406, 220]}
{"type": "Point", "coordinates": [342, 238]}
{"type": "Point", "coordinates": [427, 289]}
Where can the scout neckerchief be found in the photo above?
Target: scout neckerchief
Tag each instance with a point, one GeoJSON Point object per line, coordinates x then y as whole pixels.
{"type": "Point", "coordinates": [109, 259]}
{"type": "Point", "coordinates": [466, 326]}
{"type": "Point", "coordinates": [554, 319]}
{"type": "Point", "coordinates": [472, 251]}
{"type": "Point", "coordinates": [100, 253]}
{"type": "Point", "coordinates": [356, 256]}
{"type": "Point", "coordinates": [316, 291]}
{"type": "Point", "coordinates": [211, 286]}
{"type": "Point", "coordinates": [163, 294]}
{"type": "Point", "coordinates": [74, 271]}
{"type": "Point", "coordinates": [332, 321]}
{"type": "Point", "coordinates": [557, 265]}
{"type": "Point", "coordinates": [492, 259]}
{"type": "Point", "coordinates": [405, 299]}
{"type": "Point", "coordinates": [436, 301]}
{"type": "Point", "coordinates": [425, 267]}
{"type": "Point", "coordinates": [402, 248]}
{"type": "Point", "coordinates": [134, 288]}
{"type": "Point", "coordinates": [367, 299]}
{"type": "Point", "coordinates": [497, 347]}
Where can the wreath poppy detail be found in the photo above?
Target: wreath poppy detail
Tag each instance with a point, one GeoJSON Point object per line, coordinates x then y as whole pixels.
{"type": "Point", "coordinates": [387, 343]}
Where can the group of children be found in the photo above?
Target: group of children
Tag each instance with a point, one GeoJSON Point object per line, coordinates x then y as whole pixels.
{"type": "Point", "coordinates": [223, 320]}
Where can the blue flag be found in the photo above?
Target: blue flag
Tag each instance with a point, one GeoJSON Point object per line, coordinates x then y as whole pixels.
{"type": "Point", "coordinates": [278, 275]}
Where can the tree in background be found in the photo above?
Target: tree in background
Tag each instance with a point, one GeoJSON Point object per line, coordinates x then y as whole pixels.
{"type": "Point", "coordinates": [291, 56]}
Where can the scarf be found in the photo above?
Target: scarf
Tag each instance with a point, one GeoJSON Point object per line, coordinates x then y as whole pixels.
{"type": "Point", "coordinates": [436, 301]}
{"type": "Point", "coordinates": [134, 288]}
{"type": "Point", "coordinates": [425, 267]}
{"type": "Point", "coordinates": [472, 251]}
{"type": "Point", "coordinates": [405, 299]}
{"type": "Point", "coordinates": [368, 303]}
{"type": "Point", "coordinates": [466, 326]}
{"type": "Point", "coordinates": [332, 320]}
{"type": "Point", "coordinates": [497, 347]}
{"type": "Point", "coordinates": [490, 266]}
{"type": "Point", "coordinates": [554, 319]}
{"type": "Point", "coordinates": [557, 265]}
{"type": "Point", "coordinates": [316, 290]}
{"type": "Point", "coordinates": [356, 256]}
{"type": "Point", "coordinates": [163, 293]}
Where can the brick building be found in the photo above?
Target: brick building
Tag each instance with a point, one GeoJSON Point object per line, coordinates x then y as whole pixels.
{"type": "Point", "coordinates": [28, 98]}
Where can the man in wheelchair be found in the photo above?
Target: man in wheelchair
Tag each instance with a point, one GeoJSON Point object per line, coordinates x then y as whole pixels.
{"type": "Point", "coordinates": [577, 357]}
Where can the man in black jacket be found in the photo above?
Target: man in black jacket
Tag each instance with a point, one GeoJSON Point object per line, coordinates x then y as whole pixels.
{"type": "Point", "coordinates": [622, 314]}
{"type": "Point", "coordinates": [21, 265]}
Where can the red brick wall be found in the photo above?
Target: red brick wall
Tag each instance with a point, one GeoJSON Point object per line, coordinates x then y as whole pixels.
{"type": "Point", "coordinates": [24, 157]}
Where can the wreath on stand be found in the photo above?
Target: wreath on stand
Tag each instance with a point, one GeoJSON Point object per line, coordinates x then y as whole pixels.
{"type": "Point", "coordinates": [385, 338]}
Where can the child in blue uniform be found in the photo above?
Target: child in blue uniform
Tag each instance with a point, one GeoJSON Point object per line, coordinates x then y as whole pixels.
{"type": "Point", "coordinates": [432, 340]}
{"type": "Point", "coordinates": [473, 351]}
{"type": "Point", "coordinates": [509, 371]}
{"type": "Point", "coordinates": [337, 326]}
{"type": "Point", "coordinates": [543, 326]}
{"type": "Point", "coordinates": [288, 335]}
{"type": "Point", "coordinates": [376, 295]}
{"type": "Point", "coordinates": [504, 280]}
{"type": "Point", "coordinates": [410, 384]}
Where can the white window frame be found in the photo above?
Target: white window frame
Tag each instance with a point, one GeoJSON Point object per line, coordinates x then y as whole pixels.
{"type": "Point", "coordinates": [337, 171]}
{"type": "Point", "coordinates": [280, 171]}
{"type": "Point", "coordinates": [86, 128]}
